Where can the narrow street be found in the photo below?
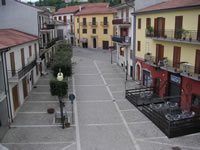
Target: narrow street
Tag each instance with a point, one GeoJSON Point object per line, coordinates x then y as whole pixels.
{"type": "Point", "coordinates": [104, 119]}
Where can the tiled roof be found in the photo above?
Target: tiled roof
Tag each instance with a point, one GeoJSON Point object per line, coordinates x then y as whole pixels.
{"type": "Point", "coordinates": [96, 8]}
{"type": "Point", "coordinates": [171, 4]}
{"type": "Point", "coordinates": [11, 38]}
{"type": "Point", "coordinates": [68, 9]}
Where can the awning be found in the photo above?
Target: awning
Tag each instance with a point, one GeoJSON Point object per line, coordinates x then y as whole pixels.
{"type": "Point", "coordinates": [84, 40]}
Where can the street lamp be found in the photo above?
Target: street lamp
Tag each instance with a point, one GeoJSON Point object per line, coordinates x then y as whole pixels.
{"type": "Point", "coordinates": [72, 98]}
{"type": "Point", "coordinates": [60, 78]}
{"type": "Point", "coordinates": [126, 65]}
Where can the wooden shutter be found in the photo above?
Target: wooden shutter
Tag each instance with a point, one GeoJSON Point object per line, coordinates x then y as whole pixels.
{"type": "Point", "coordinates": [35, 45]}
{"type": "Point", "coordinates": [197, 62]}
{"type": "Point", "coordinates": [159, 52]}
{"type": "Point", "coordinates": [176, 57]}
{"type": "Point", "coordinates": [25, 87]}
{"type": "Point", "coordinates": [22, 58]}
{"type": "Point", "coordinates": [148, 22]}
{"type": "Point", "coordinates": [15, 97]}
{"type": "Point", "coordinates": [30, 51]}
{"type": "Point", "coordinates": [156, 27]}
{"type": "Point", "coordinates": [163, 27]}
{"type": "Point", "coordinates": [178, 26]}
{"type": "Point", "coordinates": [65, 19]}
{"type": "Point", "coordinates": [198, 30]}
{"type": "Point", "coordinates": [12, 63]}
{"type": "Point", "coordinates": [139, 23]}
{"type": "Point", "coordinates": [122, 13]}
{"type": "Point", "coordinates": [138, 44]}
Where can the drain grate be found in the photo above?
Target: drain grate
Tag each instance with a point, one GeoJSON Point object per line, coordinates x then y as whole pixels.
{"type": "Point", "coordinates": [176, 148]}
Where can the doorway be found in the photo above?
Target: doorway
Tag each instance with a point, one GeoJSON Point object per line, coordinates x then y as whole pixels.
{"type": "Point", "coordinates": [138, 72]}
{"type": "Point", "coordinates": [131, 71]}
{"type": "Point", "coordinates": [146, 78]}
{"type": "Point", "coordinates": [15, 97]}
{"type": "Point", "coordinates": [94, 42]}
{"type": "Point", "coordinates": [24, 83]}
{"type": "Point", "coordinates": [105, 44]}
{"type": "Point", "coordinates": [72, 40]}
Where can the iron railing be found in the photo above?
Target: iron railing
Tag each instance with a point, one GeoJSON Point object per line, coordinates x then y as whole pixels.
{"type": "Point", "coordinates": [170, 34]}
{"type": "Point", "coordinates": [117, 21]}
{"type": "Point", "coordinates": [94, 24]}
{"type": "Point", "coordinates": [83, 23]}
{"type": "Point", "coordinates": [104, 23]}
{"type": "Point", "coordinates": [119, 39]}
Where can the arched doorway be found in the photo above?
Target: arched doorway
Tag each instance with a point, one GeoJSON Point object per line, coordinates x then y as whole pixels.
{"type": "Point", "coordinates": [138, 68]}
{"type": "Point", "coordinates": [138, 72]}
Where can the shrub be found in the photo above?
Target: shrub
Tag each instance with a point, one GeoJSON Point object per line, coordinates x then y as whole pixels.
{"type": "Point", "coordinates": [58, 88]}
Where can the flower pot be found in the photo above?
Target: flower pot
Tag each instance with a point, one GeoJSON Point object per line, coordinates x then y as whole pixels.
{"type": "Point", "coordinates": [50, 110]}
{"type": "Point", "coordinates": [67, 124]}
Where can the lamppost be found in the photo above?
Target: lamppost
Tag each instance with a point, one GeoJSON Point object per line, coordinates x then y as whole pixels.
{"type": "Point", "coordinates": [126, 64]}
{"type": "Point", "coordinates": [60, 78]}
{"type": "Point", "coordinates": [72, 98]}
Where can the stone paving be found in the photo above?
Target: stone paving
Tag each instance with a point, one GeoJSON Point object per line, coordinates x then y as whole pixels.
{"type": "Point", "coordinates": [105, 119]}
{"type": "Point", "coordinates": [34, 129]}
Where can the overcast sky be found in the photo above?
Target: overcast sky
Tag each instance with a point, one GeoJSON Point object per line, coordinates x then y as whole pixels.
{"type": "Point", "coordinates": [30, 0]}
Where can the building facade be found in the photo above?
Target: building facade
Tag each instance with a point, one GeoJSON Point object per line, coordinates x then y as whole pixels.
{"type": "Point", "coordinates": [93, 26]}
{"type": "Point", "coordinates": [168, 50]}
{"type": "Point", "coordinates": [21, 57]}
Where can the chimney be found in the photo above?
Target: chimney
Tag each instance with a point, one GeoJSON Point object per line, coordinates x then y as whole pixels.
{"type": "Point", "coordinates": [123, 1]}
{"type": "Point", "coordinates": [80, 8]}
{"type": "Point", "coordinates": [3, 2]}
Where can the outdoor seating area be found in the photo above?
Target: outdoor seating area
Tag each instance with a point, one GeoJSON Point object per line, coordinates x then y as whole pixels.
{"type": "Point", "coordinates": [142, 96]}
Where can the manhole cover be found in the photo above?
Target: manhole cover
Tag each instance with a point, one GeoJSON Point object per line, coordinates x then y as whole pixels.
{"type": "Point", "coordinates": [176, 148]}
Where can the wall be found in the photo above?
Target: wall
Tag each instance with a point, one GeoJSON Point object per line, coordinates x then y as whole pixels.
{"type": "Point", "coordinates": [190, 22]}
{"type": "Point", "coordinates": [100, 36]}
{"type": "Point", "coordinates": [19, 16]}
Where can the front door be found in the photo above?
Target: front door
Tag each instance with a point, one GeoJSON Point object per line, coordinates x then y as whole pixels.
{"type": "Point", "coordinates": [146, 78]}
{"type": "Point", "coordinates": [138, 72]}
{"type": "Point", "coordinates": [15, 97]}
{"type": "Point", "coordinates": [72, 40]}
{"type": "Point", "coordinates": [197, 62]}
{"type": "Point", "coordinates": [157, 86]}
{"type": "Point", "coordinates": [105, 44]}
{"type": "Point", "coordinates": [94, 43]}
{"type": "Point", "coordinates": [24, 87]}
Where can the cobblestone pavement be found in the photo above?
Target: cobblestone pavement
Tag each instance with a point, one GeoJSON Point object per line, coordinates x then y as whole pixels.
{"type": "Point", "coordinates": [34, 129]}
{"type": "Point", "coordinates": [105, 120]}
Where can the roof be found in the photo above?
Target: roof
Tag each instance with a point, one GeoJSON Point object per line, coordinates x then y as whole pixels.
{"type": "Point", "coordinates": [10, 38]}
{"type": "Point", "coordinates": [68, 9]}
{"type": "Point", "coordinates": [96, 8]}
{"type": "Point", "coordinates": [170, 4]}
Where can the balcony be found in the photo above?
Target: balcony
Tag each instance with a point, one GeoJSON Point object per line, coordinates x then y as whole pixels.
{"type": "Point", "coordinates": [122, 40]}
{"type": "Point", "coordinates": [190, 71]}
{"type": "Point", "coordinates": [122, 21]}
{"type": "Point", "coordinates": [183, 36]}
{"type": "Point", "coordinates": [105, 24]}
{"type": "Point", "coordinates": [83, 24]}
{"type": "Point", "coordinates": [93, 24]}
{"type": "Point", "coordinates": [15, 75]}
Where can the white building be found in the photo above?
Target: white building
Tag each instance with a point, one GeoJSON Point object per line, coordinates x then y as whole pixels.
{"type": "Point", "coordinates": [67, 16]}
{"type": "Point", "coordinates": [20, 58]}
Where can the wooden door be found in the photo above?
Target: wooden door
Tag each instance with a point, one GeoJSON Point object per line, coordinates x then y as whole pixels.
{"type": "Point", "coordinates": [159, 52]}
{"type": "Point", "coordinates": [138, 72]}
{"type": "Point", "coordinates": [84, 21]}
{"type": "Point", "coordinates": [197, 62]}
{"type": "Point", "coordinates": [178, 27]}
{"type": "Point", "coordinates": [35, 50]}
{"type": "Point", "coordinates": [105, 44]}
{"type": "Point", "coordinates": [148, 22]}
{"type": "Point", "coordinates": [71, 18]}
{"type": "Point", "coordinates": [12, 63]}
{"type": "Point", "coordinates": [159, 27]}
{"type": "Point", "coordinates": [24, 87]}
{"type": "Point", "coordinates": [22, 57]}
{"type": "Point", "coordinates": [176, 57]}
{"type": "Point", "coordinates": [15, 97]}
{"type": "Point", "coordinates": [198, 30]}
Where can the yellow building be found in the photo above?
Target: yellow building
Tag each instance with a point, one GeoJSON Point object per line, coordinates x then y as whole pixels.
{"type": "Point", "coordinates": [93, 26]}
{"type": "Point", "coordinates": [168, 49]}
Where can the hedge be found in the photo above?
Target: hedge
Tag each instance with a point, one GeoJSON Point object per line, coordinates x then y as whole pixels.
{"type": "Point", "coordinates": [58, 88]}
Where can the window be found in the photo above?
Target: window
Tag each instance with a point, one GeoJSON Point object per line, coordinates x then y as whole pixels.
{"type": "Point", "coordinates": [84, 30]}
{"type": "Point", "coordinates": [30, 51]}
{"type": "Point", "coordinates": [77, 20]}
{"type": "Point", "coordinates": [22, 57]}
{"type": "Point", "coordinates": [35, 46]}
{"type": "Point", "coordinates": [55, 18]}
{"type": "Point", "coordinates": [3, 2]}
{"type": "Point", "coordinates": [84, 21]}
{"type": "Point", "coordinates": [121, 52]}
{"type": "Point", "coordinates": [105, 20]}
{"type": "Point", "coordinates": [65, 19]}
{"type": "Point", "coordinates": [122, 13]}
{"type": "Point", "coordinates": [105, 31]}
{"type": "Point", "coordinates": [176, 57]}
{"type": "Point", "coordinates": [77, 30]}
{"type": "Point", "coordinates": [71, 17]}
{"type": "Point", "coordinates": [94, 31]}
{"type": "Point", "coordinates": [131, 54]}
{"type": "Point", "coordinates": [93, 21]}
{"type": "Point", "coordinates": [139, 23]}
{"type": "Point", "coordinates": [138, 45]}
{"type": "Point", "coordinates": [60, 18]}
{"type": "Point", "coordinates": [159, 27]}
{"type": "Point", "coordinates": [148, 22]}
{"type": "Point", "coordinates": [159, 53]}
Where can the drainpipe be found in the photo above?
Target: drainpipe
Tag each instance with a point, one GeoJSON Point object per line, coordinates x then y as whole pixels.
{"type": "Point", "coordinates": [7, 89]}
{"type": "Point", "coordinates": [134, 41]}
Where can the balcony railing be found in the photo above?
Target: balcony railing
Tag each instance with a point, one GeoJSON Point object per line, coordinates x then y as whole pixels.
{"type": "Point", "coordinates": [47, 26]}
{"type": "Point", "coordinates": [83, 23]}
{"type": "Point", "coordinates": [123, 40]}
{"type": "Point", "coordinates": [185, 36]}
{"type": "Point", "coordinates": [93, 24]}
{"type": "Point", "coordinates": [104, 23]}
{"type": "Point", "coordinates": [18, 74]}
{"type": "Point", "coordinates": [118, 21]}
{"type": "Point", "coordinates": [190, 71]}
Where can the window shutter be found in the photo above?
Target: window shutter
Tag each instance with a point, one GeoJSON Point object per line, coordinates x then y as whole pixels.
{"type": "Point", "coordinates": [155, 26]}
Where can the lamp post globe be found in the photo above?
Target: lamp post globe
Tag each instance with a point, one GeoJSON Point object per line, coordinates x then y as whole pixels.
{"type": "Point", "coordinates": [60, 76]}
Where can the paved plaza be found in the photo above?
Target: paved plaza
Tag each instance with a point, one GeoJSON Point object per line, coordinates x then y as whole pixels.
{"type": "Point", "coordinates": [104, 119]}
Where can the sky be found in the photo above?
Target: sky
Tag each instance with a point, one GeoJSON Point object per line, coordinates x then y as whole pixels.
{"type": "Point", "coordinates": [30, 0]}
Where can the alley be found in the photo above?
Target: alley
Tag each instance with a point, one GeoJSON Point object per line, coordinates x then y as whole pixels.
{"type": "Point", "coordinates": [105, 120]}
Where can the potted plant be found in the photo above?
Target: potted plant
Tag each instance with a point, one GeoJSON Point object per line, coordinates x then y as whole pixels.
{"type": "Point", "coordinates": [149, 31]}
{"type": "Point", "coordinates": [184, 33]}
